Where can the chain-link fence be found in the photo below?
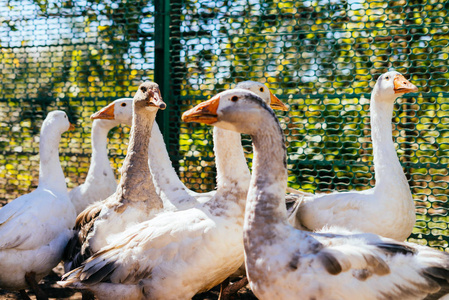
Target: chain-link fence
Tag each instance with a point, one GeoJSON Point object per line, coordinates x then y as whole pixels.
{"type": "Point", "coordinates": [320, 57]}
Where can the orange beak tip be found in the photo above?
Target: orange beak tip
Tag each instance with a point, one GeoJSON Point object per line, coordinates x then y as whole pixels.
{"type": "Point", "coordinates": [403, 86]}
{"type": "Point", "coordinates": [276, 103]}
{"type": "Point", "coordinates": [205, 112]}
{"type": "Point", "coordinates": [104, 113]}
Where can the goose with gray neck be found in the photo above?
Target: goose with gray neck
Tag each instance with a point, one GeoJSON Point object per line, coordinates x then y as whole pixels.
{"type": "Point", "coordinates": [387, 209]}
{"type": "Point", "coordinates": [135, 199]}
{"type": "Point", "coordinates": [283, 262]}
{"type": "Point", "coordinates": [174, 250]}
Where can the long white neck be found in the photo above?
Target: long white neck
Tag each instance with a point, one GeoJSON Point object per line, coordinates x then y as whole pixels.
{"type": "Point", "coordinates": [50, 172]}
{"type": "Point", "coordinates": [266, 212]}
{"type": "Point", "coordinates": [389, 174]}
{"type": "Point", "coordinates": [230, 160]}
{"type": "Point", "coordinates": [136, 183]}
{"type": "Point", "coordinates": [99, 165]}
{"type": "Point", "coordinates": [233, 175]}
{"type": "Point", "coordinates": [166, 181]}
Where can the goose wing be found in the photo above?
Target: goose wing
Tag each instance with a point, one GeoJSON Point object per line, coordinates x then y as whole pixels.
{"type": "Point", "coordinates": [133, 255]}
{"type": "Point", "coordinates": [366, 266]}
{"type": "Point", "coordinates": [338, 208]}
{"type": "Point", "coordinates": [29, 221]}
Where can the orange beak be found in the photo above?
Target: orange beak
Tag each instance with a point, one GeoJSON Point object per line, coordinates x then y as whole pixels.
{"type": "Point", "coordinates": [71, 127]}
{"type": "Point", "coordinates": [104, 113]}
{"type": "Point", "coordinates": [205, 112]}
{"type": "Point", "coordinates": [402, 85]}
{"type": "Point", "coordinates": [276, 103]}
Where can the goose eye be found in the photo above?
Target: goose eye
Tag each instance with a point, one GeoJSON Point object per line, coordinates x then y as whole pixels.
{"type": "Point", "coordinates": [387, 77]}
{"type": "Point", "coordinates": [123, 104]}
{"type": "Point", "coordinates": [143, 89]}
{"type": "Point", "coordinates": [261, 89]}
{"type": "Point", "coordinates": [234, 98]}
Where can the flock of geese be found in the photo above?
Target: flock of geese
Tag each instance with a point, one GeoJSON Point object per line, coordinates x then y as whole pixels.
{"type": "Point", "coordinates": [150, 237]}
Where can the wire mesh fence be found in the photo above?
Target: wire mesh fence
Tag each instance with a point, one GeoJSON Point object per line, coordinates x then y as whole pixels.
{"type": "Point", "coordinates": [320, 57]}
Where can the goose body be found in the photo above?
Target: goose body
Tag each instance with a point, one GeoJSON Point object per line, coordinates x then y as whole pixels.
{"type": "Point", "coordinates": [283, 262]}
{"type": "Point", "coordinates": [168, 256]}
{"type": "Point", "coordinates": [135, 199]}
{"type": "Point", "coordinates": [35, 227]}
{"type": "Point", "coordinates": [100, 181]}
{"type": "Point", "coordinates": [388, 208]}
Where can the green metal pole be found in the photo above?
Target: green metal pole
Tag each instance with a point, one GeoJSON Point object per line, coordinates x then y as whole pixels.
{"type": "Point", "coordinates": [162, 60]}
{"type": "Point", "coordinates": [167, 38]}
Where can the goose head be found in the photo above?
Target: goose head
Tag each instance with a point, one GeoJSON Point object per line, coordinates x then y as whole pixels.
{"type": "Point", "coordinates": [120, 110]}
{"type": "Point", "coordinates": [263, 92]}
{"type": "Point", "coordinates": [148, 97]}
{"type": "Point", "coordinates": [57, 122]}
{"type": "Point", "coordinates": [392, 85]}
{"type": "Point", "coordinates": [237, 110]}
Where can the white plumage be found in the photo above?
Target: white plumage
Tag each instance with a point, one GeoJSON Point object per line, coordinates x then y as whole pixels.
{"type": "Point", "coordinates": [388, 208]}
{"type": "Point", "coordinates": [35, 227]}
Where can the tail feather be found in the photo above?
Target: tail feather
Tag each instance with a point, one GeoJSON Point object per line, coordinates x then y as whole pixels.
{"type": "Point", "coordinates": [440, 279]}
{"type": "Point", "coordinates": [395, 248]}
{"type": "Point", "coordinates": [93, 276]}
{"type": "Point", "coordinates": [77, 249]}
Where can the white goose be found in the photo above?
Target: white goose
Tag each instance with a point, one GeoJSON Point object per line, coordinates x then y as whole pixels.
{"type": "Point", "coordinates": [166, 257]}
{"type": "Point", "coordinates": [35, 227]}
{"type": "Point", "coordinates": [100, 181]}
{"type": "Point", "coordinates": [388, 208]}
{"type": "Point", "coordinates": [283, 262]}
{"type": "Point", "coordinates": [135, 199]}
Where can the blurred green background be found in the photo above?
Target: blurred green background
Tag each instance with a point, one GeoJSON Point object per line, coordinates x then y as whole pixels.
{"type": "Point", "coordinates": [320, 57]}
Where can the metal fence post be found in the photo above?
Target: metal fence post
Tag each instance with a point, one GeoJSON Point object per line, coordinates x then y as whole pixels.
{"type": "Point", "coordinates": [167, 120]}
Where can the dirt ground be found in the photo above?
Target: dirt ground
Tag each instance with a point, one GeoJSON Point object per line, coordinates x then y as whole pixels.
{"type": "Point", "coordinates": [54, 291]}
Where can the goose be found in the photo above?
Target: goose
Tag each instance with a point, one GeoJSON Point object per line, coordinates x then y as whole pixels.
{"type": "Point", "coordinates": [388, 208]}
{"type": "Point", "coordinates": [167, 256]}
{"type": "Point", "coordinates": [100, 181]}
{"type": "Point", "coordinates": [35, 227]}
{"type": "Point", "coordinates": [135, 198]}
{"type": "Point", "coordinates": [283, 262]}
